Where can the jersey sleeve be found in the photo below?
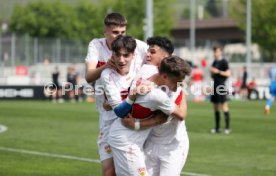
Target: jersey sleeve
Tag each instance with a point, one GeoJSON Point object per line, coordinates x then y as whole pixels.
{"type": "Point", "coordinates": [142, 49]}
{"type": "Point", "coordinates": [214, 63]}
{"type": "Point", "coordinates": [225, 65]}
{"type": "Point", "coordinates": [111, 91]}
{"type": "Point", "coordinates": [161, 101]}
{"type": "Point", "coordinates": [93, 52]}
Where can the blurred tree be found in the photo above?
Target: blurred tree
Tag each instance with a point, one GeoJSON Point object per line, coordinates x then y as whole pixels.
{"type": "Point", "coordinates": [263, 23]}
{"type": "Point", "coordinates": [90, 17]}
{"type": "Point", "coordinates": [212, 8]}
{"type": "Point", "coordinates": [163, 17]}
{"type": "Point", "coordinates": [44, 19]}
{"type": "Point", "coordinates": [135, 11]}
{"type": "Point", "coordinates": [84, 21]}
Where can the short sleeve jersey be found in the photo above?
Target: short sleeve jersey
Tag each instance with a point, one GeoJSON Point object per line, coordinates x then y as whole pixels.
{"type": "Point", "coordinates": [99, 53]}
{"type": "Point", "coordinates": [221, 65]}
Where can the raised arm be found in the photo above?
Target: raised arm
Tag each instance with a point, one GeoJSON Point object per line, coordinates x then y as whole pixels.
{"type": "Point", "coordinates": [92, 73]}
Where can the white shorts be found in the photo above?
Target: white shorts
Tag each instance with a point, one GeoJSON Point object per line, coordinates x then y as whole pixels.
{"type": "Point", "coordinates": [130, 162]}
{"type": "Point", "coordinates": [166, 159]}
{"type": "Point", "coordinates": [104, 148]}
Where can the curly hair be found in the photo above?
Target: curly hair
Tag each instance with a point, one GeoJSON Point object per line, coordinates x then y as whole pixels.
{"type": "Point", "coordinates": [175, 66]}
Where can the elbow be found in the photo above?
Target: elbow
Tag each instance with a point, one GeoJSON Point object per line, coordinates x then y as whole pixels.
{"type": "Point", "coordinates": [183, 115]}
{"type": "Point", "coordinates": [88, 80]}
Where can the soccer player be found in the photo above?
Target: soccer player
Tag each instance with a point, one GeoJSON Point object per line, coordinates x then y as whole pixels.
{"type": "Point", "coordinates": [99, 52]}
{"type": "Point", "coordinates": [57, 95]}
{"type": "Point", "coordinates": [72, 82]}
{"type": "Point", "coordinates": [127, 144]}
{"type": "Point", "coordinates": [220, 72]}
{"type": "Point", "coordinates": [272, 89]}
{"type": "Point", "coordinates": [163, 157]}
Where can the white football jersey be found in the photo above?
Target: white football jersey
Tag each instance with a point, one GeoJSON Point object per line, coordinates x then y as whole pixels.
{"type": "Point", "coordinates": [173, 129]}
{"type": "Point", "coordinates": [99, 52]}
{"type": "Point", "coordinates": [120, 136]}
{"type": "Point", "coordinates": [116, 87]}
{"type": "Point", "coordinates": [145, 73]}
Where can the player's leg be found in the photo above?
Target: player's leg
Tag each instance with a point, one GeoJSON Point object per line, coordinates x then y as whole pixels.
{"type": "Point", "coordinates": [108, 168]}
{"type": "Point", "coordinates": [104, 148]}
{"type": "Point", "coordinates": [106, 158]}
{"type": "Point", "coordinates": [173, 158]}
{"type": "Point", "coordinates": [225, 109]}
{"type": "Point", "coordinates": [216, 108]}
{"type": "Point", "coordinates": [270, 101]}
{"type": "Point", "coordinates": [151, 158]}
{"type": "Point", "coordinates": [129, 162]}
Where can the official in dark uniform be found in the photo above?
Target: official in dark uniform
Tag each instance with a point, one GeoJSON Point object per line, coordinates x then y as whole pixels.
{"type": "Point", "coordinates": [220, 72]}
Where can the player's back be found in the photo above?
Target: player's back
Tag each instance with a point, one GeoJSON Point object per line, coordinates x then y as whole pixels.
{"type": "Point", "coordinates": [173, 129]}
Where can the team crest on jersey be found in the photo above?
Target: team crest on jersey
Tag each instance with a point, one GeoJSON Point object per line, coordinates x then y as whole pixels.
{"type": "Point", "coordinates": [107, 149]}
{"type": "Point", "coordinates": [167, 102]}
{"type": "Point", "coordinates": [142, 171]}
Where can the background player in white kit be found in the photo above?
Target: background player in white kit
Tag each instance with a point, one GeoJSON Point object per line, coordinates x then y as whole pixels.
{"type": "Point", "coordinates": [127, 144]}
{"type": "Point", "coordinates": [99, 53]}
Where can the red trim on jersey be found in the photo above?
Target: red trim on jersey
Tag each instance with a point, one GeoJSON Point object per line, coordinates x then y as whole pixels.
{"type": "Point", "coordinates": [140, 112]}
{"type": "Point", "coordinates": [138, 82]}
{"type": "Point", "coordinates": [100, 63]}
{"type": "Point", "coordinates": [179, 98]}
{"type": "Point", "coordinates": [124, 94]}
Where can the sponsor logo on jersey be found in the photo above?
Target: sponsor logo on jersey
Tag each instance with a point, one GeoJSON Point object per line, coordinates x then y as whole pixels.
{"type": "Point", "coordinates": [107, 149]}
{"type": "Point", "coordinates": [167, 102]}
{"type": "Point", "coordinates": [142, 171]}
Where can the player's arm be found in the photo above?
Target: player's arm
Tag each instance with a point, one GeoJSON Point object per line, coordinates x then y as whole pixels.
{"type": "Point", "coordinates": [180, 111]}
{"type": "Point", "coordinates": [156, 119]}
{"type": "Point", "coordinates": [226, 73]}
{"type": "Point", "coordinates": [122, 109]}
{"type": "Point", "coordinates": [91, 72]}
{"type": "Point", "coordinates": [162, 102]}
{"type": "Point", "coordinates": [214, 70]}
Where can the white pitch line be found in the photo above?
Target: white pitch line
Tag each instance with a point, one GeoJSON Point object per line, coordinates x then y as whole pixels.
{"type": "Point", "coordinates": [31, 152]}
{"type": "Point", "coordinates": [49, 154]}
{"type": "Point", "coordinates": [3, 128]}
{"type": "Point", "coordinates": [193, 174]}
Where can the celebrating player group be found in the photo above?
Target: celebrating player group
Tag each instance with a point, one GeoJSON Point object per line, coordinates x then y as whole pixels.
{"type": "Point", "coordinates": [141, 106]}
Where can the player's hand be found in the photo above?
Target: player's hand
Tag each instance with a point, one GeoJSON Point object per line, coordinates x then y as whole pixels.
{"type": "Point", "coordinates": [111, 63]}
{"type": "Point", "coordinates": [144, 88]}
{"type": "Point", "coordinates": [128, 121]}
{"type": "Point", "coordinates": [106, 106]}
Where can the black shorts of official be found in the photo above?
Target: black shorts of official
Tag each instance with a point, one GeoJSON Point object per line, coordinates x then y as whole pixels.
{"type": "Point", "coordinates": [220, 97]}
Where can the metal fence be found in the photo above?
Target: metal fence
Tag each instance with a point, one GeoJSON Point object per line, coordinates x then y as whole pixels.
{"type": "Point", "coordinates": [26, 50]}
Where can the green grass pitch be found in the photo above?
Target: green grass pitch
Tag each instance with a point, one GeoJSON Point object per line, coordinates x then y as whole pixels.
{"type": "Point", "coordinates": [43, 138]}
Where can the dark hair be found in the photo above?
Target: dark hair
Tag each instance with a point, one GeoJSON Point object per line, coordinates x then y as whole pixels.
{"type": "Point", "coordinates": [126, 42]}
{"type": "Point", "coordinates": [162, 42]}
{"type": "Point", "coordinates": [175, 66]}
{"type": "Point", "coordinates": [115, 19]}
{"type": "Point", "coordinates": [215, 48]}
